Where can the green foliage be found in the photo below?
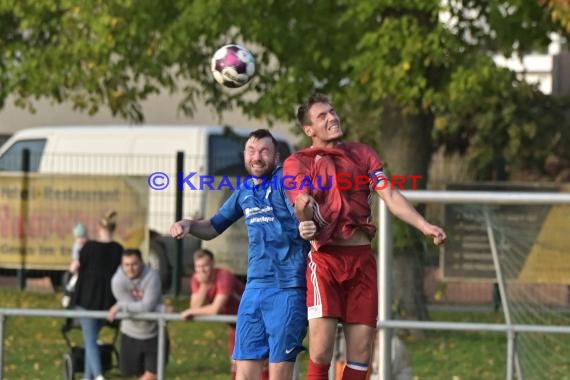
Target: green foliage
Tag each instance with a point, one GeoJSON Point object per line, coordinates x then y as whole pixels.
{"type": "Point", "coordinates": [560, 12]}
{"type": "Point", "coordinates": [91, 53]}
{"type": "Point", "coordinates": [116, 53]}
{"type": "Point", "coordinates": [502, 118]}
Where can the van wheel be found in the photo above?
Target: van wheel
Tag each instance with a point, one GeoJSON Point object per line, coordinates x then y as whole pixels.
{"type": "Point", "coordinates": [158, 259]}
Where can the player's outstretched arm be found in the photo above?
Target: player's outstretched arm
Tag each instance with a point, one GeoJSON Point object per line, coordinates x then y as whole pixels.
{"type": "Point", "coordinates": [404, 210]}
{"type": "Point", "coordinates": [202, 229]}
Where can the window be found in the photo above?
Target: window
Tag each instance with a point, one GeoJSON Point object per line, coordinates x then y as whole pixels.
{"type": "Point", "coordinates": [11, 160]}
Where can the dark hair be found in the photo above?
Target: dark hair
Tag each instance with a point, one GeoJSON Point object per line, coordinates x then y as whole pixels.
{"type": "Point", "coordinates": [261, 134]}
{"type": "Point", "coordinates": [132, 252]}
{"type": "Point", "coordinates": [109, 221]}
{"type": "Point", "coordinates": [198, 254]}
{"type": "Point", "coordinates": [303, 110]}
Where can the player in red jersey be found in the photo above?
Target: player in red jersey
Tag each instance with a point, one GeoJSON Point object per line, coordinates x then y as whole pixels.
{"type": "Point", "coordinates": [325, 183]}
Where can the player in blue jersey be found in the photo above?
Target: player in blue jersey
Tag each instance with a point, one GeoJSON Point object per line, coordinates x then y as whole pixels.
{"type": "Point", "coordinates": [272, 316]}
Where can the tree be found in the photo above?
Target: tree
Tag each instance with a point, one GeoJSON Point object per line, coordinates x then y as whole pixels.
{"type": "Point", "coordinates": [408, 75]}
{"type": "Point", "coordinates": [560, 11]}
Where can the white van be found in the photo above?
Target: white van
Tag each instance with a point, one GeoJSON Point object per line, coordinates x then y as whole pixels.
{"type": "Point", "coordinates": [143, 151]}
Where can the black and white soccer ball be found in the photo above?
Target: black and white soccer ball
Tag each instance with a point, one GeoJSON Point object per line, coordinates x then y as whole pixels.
{"type": "Point", "coordinates": [232, 66]}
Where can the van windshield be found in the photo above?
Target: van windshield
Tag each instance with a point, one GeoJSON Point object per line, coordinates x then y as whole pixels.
{"type": "Point", "coordinates": [226, 154]}
{"type": "Point", "coordinates": [12, 159]}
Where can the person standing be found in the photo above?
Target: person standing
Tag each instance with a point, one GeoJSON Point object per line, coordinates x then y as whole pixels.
{"type": "Point", "coordinates": [341, 272]}
{"type": "Point", "coordinates": [98, 262]}
{"type": "Point", "coordinates": [272, 318]}
{"type": "Point", "coordinates": [137, 289]}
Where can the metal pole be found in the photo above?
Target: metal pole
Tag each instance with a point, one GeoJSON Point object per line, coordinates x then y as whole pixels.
{"type": "Point", "coordinates": [24, 217]}
{"type": "Point", "coordinates": [179, 208]}
{"type": "Point", "coordinates": [161, 348]}
{"type": "Point", "coordinates": [384, 292]}
{"type": "Point", "coordinates": [511, 354]}
{"type": "Point", "coordinates": [2, 321]}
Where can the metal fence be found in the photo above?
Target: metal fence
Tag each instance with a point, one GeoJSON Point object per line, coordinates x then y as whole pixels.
{"type": "Point", "coordinates": [385, 254]}
{"type": "Point", "coordinates": [386, 324]}
{"type": "Point", "coordinates": [161, 318]}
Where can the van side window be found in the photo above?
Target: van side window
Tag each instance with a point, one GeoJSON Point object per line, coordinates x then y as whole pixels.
{"type": "Point", "coordinates": [225, 155]}
{"type": "Point", "coordinates": [283, 149]}
{"type": "Point", "coordinates": [11, 160]}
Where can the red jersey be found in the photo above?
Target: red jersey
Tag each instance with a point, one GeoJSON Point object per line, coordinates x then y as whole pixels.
{"type": "Point", "coordinates": [339, 179]}
{"type": "Point", "coordinates": [225, 283]}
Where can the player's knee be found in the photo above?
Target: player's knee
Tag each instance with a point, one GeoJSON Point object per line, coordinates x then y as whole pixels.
{"type": "Point", "coordinates": [323, 356]}
{"type": "Point", "coordinates": [359, 352]}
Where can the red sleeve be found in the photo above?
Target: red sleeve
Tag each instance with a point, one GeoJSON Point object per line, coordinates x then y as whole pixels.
{"type": "Point", "coordinates": [224, 282]}
{"type": "Point", "coordinates": [194, 284]}
{"type": "Point", "coordinates": [374, 166]}
{"type": "Point", "coordinates": [294, 172]}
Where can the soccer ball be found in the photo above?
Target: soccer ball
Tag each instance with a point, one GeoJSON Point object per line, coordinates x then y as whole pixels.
{"type": "Point", "coordinates": [232, 66]}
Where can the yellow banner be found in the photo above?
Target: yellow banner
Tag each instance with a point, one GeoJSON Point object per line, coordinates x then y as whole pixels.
{"type": "Point", "coordinates": [549, 258]}
{"type": "Point", "coordinates": [38, 213]}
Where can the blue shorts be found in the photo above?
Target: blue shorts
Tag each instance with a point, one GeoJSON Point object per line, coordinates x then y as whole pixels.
{"type": "Point", "coordinates": [271, 323]}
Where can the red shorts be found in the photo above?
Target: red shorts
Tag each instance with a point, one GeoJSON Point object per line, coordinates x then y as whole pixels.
{"type": "Point", "coordinates": [342, 284]}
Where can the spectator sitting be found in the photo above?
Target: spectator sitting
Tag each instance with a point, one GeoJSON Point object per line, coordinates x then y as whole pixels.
{"type": "Point", "coordinates": [214, 291]}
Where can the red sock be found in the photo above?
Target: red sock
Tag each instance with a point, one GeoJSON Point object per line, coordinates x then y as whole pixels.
{"type": "Point", "coordinates": [353, 374]}
{"type": "Point", "coordinates": [318, 371]}
{"type": "Point", "coordinates": [265, 374]}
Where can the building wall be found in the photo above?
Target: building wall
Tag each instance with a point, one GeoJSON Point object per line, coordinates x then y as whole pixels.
{"type": "Point", "coordinates": [160, 109]}
{"type": "Point", "coordinates": [550, 71]}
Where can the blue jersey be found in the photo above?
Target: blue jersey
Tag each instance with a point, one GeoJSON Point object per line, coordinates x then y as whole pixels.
{"type": "Point", "coordinates": [276, 255]}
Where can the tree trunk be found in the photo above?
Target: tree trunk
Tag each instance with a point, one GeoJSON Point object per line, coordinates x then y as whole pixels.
{"type": "Point", "coordinates": [405, 148]}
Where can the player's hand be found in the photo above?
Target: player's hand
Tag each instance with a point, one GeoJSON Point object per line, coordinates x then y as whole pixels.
{"type": "Point", "coordinates": [435, 232]}
{"type": "Point", "coordinates": [187, 314]}
{"type": "Point", "coordinates": [181, 228]}
{"type": "Point", "coordinates": [307, 229]}
{"type": "Point", "coordinates": [113, 311]}
{"type": "Point", "coordinates": [304, 207]}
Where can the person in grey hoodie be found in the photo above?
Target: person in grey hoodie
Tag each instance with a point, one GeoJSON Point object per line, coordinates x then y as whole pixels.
{"type": "Point", "coordinates": [137, 290]}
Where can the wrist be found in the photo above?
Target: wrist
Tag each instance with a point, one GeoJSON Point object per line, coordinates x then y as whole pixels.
{"type": "Point", "coordinates": [424, 226]}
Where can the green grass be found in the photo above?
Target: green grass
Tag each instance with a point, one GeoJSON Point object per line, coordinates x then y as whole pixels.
{"type": "Point", "coordinates": [34, 347]}
{"type": "Point", "coordinates": [456, 355]}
